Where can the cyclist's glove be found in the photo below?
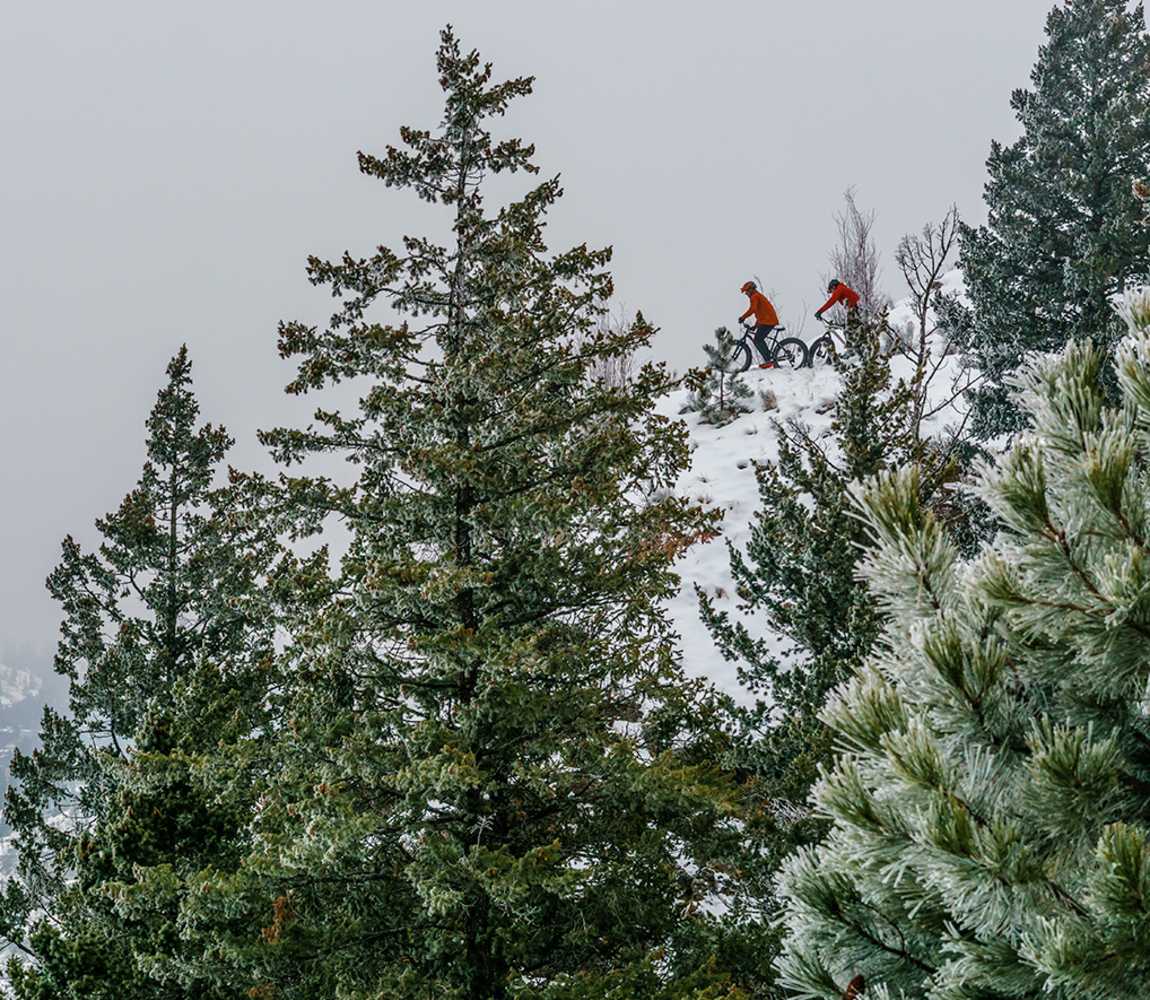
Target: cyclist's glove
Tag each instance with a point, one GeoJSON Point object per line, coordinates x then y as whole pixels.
{"type": "Point", "coordinates": [818, 315]}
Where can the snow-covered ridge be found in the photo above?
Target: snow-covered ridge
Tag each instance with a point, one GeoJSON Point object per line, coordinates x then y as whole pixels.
{"type": "Point", "coordinates": [722, 474]}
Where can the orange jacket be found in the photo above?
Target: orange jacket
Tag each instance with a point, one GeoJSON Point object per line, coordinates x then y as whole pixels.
{"type": "Point", "coordinates": [842, 294]}
{"type": "Point", "coordinates": [765, 314]}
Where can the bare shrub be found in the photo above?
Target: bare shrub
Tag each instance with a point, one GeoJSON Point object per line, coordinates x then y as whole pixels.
{"type": "Point", "coordinates": [855, 258]}
{"type": "Point", "coordinates": [923, 258]}
{"type": "Point", "coordinates": [614, 370]}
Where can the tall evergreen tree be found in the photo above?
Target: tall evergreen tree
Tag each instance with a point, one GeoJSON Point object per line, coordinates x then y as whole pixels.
{"type": "Point", "coordinates": [991, 800]}
{"type": "Point", "coordinates": [491, 780]}
{"type": "Point", "coordinates": [163, 657]}
{"type": "Point", "coordinates": [1064, 234]}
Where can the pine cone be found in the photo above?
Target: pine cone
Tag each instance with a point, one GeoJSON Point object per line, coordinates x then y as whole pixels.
{"type": "Point", "coordinates": [855, 988]}
{"type": "Point", "coordinates": [1142, 190]}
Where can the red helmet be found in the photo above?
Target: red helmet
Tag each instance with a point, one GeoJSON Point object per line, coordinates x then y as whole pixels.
{"type": "Point", "coordinates": [748, 286]}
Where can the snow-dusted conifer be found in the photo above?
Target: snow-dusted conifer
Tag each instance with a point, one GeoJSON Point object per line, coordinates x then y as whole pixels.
{"type": "Point", "coordinates": [722, 394]}
{"type": "Point", "coordinates": [164, 656]}
{"type": "Point", "coordinates": [491, 780]}
{"type": "Point", "coordinates": [991, 800]}
{"type": "Point", "coordinates": [1065, 233]}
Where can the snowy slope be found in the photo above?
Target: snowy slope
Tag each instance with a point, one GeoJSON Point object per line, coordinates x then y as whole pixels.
{"type": "Point", "coordinates": [722, 473]}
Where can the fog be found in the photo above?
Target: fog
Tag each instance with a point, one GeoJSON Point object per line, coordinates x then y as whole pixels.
{"type": "Point", "coordinates": [166, 170]}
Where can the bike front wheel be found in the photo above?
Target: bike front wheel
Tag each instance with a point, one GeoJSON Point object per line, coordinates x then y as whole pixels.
{"type": "Point", "coordinates": [739, 361]}
{"type": "Point", "coordinates": [791, 353]}
{"type": "Point", "coordinates": [822, 351]}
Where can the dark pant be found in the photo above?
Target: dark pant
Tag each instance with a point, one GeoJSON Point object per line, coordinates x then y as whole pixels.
{"type": "Point", "coordinates": [761, 335]}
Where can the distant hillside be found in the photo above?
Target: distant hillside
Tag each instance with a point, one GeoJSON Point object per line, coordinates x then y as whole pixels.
{"type": "Point", "coordinates": [16, 686]}
{"type": "Point", "coordinates": [21, 704]}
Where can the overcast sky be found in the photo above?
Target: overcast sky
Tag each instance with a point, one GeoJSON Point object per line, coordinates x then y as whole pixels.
{"type": "Point", "coordinates": [165, 169]}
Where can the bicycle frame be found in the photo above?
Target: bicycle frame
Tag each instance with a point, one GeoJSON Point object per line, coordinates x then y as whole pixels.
{"type": "Point", "coordinates": [836, 330]}
{"type": "Point", "coordinates": [749, 337]}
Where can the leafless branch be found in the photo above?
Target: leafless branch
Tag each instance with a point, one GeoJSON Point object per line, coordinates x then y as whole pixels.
{"type": "Point", "coordinates": [615, 371]}
{"type": "Point", "coordinates": [923, 258]}
{"type": "Point", "coordinates": [855, 258]}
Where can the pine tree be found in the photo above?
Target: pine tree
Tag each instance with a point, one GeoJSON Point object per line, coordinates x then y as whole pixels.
{"type": "Point", "coordinates": [721, 395]}
{"type": "Point", "coordinates": [490, 778]}
{"type": "Point", "coordinates": [1064, 234]}
{"type": "Point", "coordinates": [991, 799]}
{"type": "Point", "coordinates": [162, 655]}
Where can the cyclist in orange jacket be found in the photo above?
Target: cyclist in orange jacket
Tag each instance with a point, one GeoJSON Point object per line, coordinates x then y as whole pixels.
{"type": "Point", "coordinates": [840, 293]}
{"type": "Point", "coordinates": [766, 319]}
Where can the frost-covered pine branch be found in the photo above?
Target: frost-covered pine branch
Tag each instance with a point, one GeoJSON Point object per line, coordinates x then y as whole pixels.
{"type": "Point", "coordinates": [990, 803]}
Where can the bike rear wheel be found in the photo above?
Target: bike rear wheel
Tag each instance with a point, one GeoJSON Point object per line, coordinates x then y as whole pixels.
{"type": "Point", "coordinates": [791, 353]}
{"type": "Point", "coordinates": [739, 361]}
{"type": "Point", "coordinates": [821, 351]}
